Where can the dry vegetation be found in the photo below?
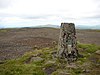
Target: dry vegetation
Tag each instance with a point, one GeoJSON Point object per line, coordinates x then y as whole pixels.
{"type": "Point", "coordinates": [15, 42]}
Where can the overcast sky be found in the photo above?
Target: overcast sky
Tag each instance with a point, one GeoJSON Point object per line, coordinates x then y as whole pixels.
{"type": "Point", "coordinates": [15, 13]}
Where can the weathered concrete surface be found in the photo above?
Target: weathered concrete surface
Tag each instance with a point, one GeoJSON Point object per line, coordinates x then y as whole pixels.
{"type": "Point", "coordinates": [67, 42]}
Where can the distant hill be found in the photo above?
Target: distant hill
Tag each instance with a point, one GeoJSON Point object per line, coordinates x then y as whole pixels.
{"type": "Point", "coordinates": [77, 26]}
{"type": "Point", "coordinates": [57, 26]}
{"type": "Point", "coordinates": [49, 25]}
{"type": "Point", "coordinates": [87, 27]}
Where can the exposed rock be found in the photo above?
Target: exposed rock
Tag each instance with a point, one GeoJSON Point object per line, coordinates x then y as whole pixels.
{"type": "Point", "coordinates": [86, 71]}
{"type": "Point", "coordinates": [36, 59]}
{"type": "Point", "coordinates": [33, 58]}
{"type": "Point", "coordinates": [61, 72]}
{"type": "Point", "coordinates": [50, 62]}
{"type": "Point", "coordinates": [98, 52]}
{"type": "Point", "coordinates": [64, 73]}
{"type": "Point", "coordinates": [2, 62]}
{"type": "Point", "coordinates": [86, 64]}
{"type": "Point", "coordinates": [72, 65]}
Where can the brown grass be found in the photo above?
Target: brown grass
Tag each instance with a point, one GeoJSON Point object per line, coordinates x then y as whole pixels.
{"type": "Point", "coordinates": [15, 42]}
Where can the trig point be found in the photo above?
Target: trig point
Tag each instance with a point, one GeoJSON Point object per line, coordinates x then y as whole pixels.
{"type": "Point", "coordinates": [67, 42]}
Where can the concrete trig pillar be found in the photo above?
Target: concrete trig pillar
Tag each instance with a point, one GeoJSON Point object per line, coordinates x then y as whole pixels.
{"type": "Point", "coordinates": [67, 42]}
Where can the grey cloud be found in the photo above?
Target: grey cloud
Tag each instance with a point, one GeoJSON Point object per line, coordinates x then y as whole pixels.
{"type": "Point", "coordinates": [8, 15]}
{"type": "Point", "coordinates": [96, 0]}
{"type": "Point", "coordinates": [36, 16]}
{"type": "Point", "coordinates": [97, 3]}
{"type": "Point", "coordinates": [97, 16]}
{"type": "Point", "coordinates": [42, 16]}
{"type": "Point", "coordinates": [46, 16]}
{"type": "Point", "coordinates": [4, 15]}
{"type": "Point", "coordinates": [5, 3]}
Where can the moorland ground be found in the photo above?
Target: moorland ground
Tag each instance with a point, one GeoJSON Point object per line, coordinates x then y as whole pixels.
{"type": "Point", "coordinates": [15, 42]}
{"type": "Point", "coordinates": [33, 51]}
